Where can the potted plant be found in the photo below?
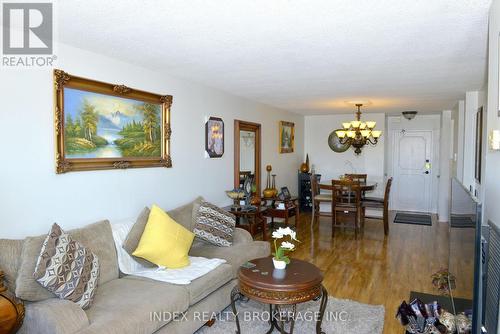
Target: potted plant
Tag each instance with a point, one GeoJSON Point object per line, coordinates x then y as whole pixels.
{"type": "Point", "coordinates": [443, 281]}
{"type": "Point", "coordinates": [280, 259]}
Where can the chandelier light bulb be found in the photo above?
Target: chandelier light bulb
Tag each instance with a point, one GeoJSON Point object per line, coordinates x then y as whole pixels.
{"type": "Point", "coordinates": [376, 134]}
{"type": "Point", "coordinates": [371, 124]}
{"type": "Point", "coordinates": [365, 133]}
{"type": "Point", "coordinates": [346, 125]}
{"type": "Point", "coordinates": [341, 134]}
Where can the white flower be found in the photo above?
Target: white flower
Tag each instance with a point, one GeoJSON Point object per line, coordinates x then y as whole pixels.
{"type": "Point", "coordinates": [287, 245]}
{"type": "Point", "coordinates": [293, 235]}
{"type": "Point", "coordinates": [277, 235]}
{"type": "Point", "coordinates": [287, 231]}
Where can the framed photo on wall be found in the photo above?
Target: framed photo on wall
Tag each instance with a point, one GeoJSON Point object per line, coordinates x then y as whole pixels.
{"type": "Point", "coordinates": [479, 144]}
{"type": "Point", "coordinates": [287, 137]}
{"type": "Point", "coordinates": [214, 137]}
{"type": "Point", "coordinates": [105, 126]}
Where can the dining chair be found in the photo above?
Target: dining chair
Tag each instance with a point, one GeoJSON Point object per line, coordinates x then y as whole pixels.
{"type": "Point", "coordinates": [318, 198]}
{"type": "Point", "coordinates": [361, 178]}
{"type": "Point", "coordinates": [346, 203]}
{"type": "Point", "coordinates": [380, 204]}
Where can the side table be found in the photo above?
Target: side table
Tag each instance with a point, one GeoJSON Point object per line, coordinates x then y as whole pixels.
{"type": "Point", "coordinates": [254, 216]}
{"type": "Point", "coordinates": [291, 210]}
{"type": "Point", "coordinates": [11, 310]}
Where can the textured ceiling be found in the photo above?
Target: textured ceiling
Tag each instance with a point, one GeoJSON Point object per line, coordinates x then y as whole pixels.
{"type": "Point", "coordinates": [307, 56]}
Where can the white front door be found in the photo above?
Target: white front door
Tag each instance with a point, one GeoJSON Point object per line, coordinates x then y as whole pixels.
{"type": "Point", "coordinates": [412, 167]}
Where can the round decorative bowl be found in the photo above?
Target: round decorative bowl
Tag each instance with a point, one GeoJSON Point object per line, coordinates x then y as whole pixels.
{"type": "Point", "coordinates": [235, 194]}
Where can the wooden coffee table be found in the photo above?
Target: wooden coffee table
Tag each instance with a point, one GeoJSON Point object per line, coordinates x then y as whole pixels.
{"type": "Point", "coordinates": [300, 282]}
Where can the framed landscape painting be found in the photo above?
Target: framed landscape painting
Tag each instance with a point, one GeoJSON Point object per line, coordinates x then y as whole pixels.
{"type": "Point", "coordinates": [105, 126]}
{"type": "Point", "coordinates": [287, 137]}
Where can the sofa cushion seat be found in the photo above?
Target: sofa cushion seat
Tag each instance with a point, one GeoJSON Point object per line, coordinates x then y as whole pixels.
{"type": "Point", "coordinates": [235, 255]}
{"type": "Point", "coordinates": [54, 316]}
{"type": "Point", "coordinates": [129, 305]}
{"type": "Point", "coordinates": [206, 284]}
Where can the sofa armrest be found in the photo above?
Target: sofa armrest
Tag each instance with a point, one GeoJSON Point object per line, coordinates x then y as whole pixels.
{"type": "Point", "coordinates": [54, 316]}
{"type": "Point", "coordinates": [241, 236]}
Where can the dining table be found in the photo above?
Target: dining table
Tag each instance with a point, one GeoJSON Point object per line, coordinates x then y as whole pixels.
{"type": "Point", "coordinates": [368, 186]}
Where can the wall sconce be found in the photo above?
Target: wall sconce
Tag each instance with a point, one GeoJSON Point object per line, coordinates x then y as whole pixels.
{"type": "Point", "coordinates": [495, 140]}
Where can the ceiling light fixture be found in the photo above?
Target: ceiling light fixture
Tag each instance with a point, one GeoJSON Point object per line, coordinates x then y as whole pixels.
{"type": "Point", "coordinates": [357, 133]}
{"type": "Point", "coordinates": [410, 114]}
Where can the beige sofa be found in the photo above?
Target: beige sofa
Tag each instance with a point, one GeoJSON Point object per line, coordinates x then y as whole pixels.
{"type": "Point", "coordinates": [125, 304]}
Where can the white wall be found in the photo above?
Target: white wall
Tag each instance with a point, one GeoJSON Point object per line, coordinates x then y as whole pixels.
{"type": "Point", "coordinates": [492, 175]}
{"type": "Point", "coordinates": [467, 152]}
{"type": "Point", "coordinates": [471, 106]}
{"type": "Point", "coordinates": [32, 196]}
{"type": "Point", "coordinates": [459, 135]}
{"type": "Point", "coordinates": [331, 164]}
{"type": "Point", "coordinates": [446, 150]}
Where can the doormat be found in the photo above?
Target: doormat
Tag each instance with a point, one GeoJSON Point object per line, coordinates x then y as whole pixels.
{"type": "Point", "coordinates": [412, 218]}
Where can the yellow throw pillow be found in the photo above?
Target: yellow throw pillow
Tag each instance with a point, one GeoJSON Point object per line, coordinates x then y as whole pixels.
{"type": "Point", "coordinates": [164, 242]}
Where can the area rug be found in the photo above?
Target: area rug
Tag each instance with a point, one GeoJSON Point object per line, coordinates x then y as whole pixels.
{"type": "Point", "coordinates": [412, 218]}
{"type": "Point", "coordinates": [341, 316]}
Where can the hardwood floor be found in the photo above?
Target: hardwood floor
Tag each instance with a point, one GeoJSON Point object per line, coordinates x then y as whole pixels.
{"type": "Point", "coordinates": [375, 269]}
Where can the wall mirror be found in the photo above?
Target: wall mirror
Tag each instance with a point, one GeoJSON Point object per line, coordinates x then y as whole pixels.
{"type": "Point", "coordinates": [247, 152]}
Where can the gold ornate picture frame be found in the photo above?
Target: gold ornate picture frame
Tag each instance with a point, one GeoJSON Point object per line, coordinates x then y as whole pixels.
{"type": "Point", "coordinates": [106, 126]}
{"type": "Point", "coordinates": [287, 137]}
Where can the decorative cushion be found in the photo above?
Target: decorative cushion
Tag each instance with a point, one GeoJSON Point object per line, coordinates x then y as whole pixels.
{"type": "Point", "coordinates": [67, 269]}
{"type": "Point", "coordinates": [184, 215]}
{"type": "Point", "coordinates": [134, 236]}
{"type": "Point", "coordinates": [164, 242]}
{"type": "Point", "coordinates": [97, 236]}
{"type": "Point", "coordinates": [214, 225]}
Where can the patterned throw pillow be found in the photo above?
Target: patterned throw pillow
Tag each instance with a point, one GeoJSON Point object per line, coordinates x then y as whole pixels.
{"type": "Point", "coordinates": [67, 269]}
{"type": "Point", "coordinates": [214, 225]}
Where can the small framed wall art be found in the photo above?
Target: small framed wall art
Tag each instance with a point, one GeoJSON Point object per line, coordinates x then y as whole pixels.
{"type": "Point", "coordinates": [105, 126]}
{"type": "Point", "coordinates": [214, 137]}
{"type": "Point", "coordinates": [287, 137]}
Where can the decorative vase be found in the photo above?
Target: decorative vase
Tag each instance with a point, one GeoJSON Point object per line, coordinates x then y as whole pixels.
{"type": "Point", "coordinates": [279, 264]}
{"type": "Point", "coordinates": [255, 200]}
{"type": "Point", "coordinates": [273, 186]}
{"type": "Point", "coordinates": [11, 310]}
{"type": "Point", "coordinates": [304, 168]}
{"type": "Point", "coordinates": [269, 191]}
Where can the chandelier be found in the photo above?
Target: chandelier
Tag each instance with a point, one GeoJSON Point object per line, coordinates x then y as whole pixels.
{"type": "Point", "coordinates": [357, 133]}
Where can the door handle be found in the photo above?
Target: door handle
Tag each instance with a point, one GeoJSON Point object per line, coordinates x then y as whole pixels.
{"type": "Point", "coordinates": [426, 172]}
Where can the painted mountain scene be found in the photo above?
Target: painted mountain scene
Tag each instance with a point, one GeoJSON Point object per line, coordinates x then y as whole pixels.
{"type": "Point", "coordinates": [104, 126]}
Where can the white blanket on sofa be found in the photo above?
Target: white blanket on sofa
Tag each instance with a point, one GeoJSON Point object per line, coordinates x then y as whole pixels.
{"type": "Point", "coordinates": [199, 265]}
